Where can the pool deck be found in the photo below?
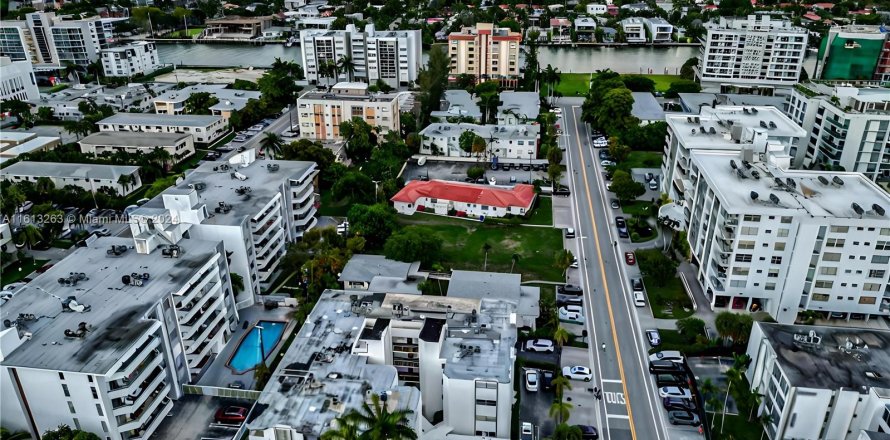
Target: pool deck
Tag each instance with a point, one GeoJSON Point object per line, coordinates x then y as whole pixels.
{"type": "Point", "coordinates": [219, 374]}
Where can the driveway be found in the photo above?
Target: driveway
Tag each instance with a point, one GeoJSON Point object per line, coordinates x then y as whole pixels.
{"type": "Point", "coordinates": [192, 418]}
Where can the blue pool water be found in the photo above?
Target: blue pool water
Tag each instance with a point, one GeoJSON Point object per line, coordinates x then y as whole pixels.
{"type": "Point", "coordinates": [248, 356]}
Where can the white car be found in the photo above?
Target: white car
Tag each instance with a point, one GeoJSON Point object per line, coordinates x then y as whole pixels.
{"type": "Point", "coordinates": [667, 355]}
{"type": "Point", "coordinates": [571, 313]}
{"type": "Point", "coordinates": [531, 380]}
{"type": "Point", "coordinates": [527, 432]}
{"type": "Point", "coordinates": [540, 345]}
{"type": "Point", "coordinates": [492, 181]}
{"type": "Point", "coordinates": [639, 299]}
{"type": "Point", "coordinates": [557, 110]}
{"type": "Point", "coordinates": [574, 264]}
{"type": "Point", "coordinates": [577, 373]}
{"type": "Point", "coordinates": [607, 163]}
{"type": "Point", "coordinates": [676, 392]}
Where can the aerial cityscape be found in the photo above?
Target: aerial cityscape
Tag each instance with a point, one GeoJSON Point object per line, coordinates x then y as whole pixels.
{"type": "Point", "coordinates": [444, 220]}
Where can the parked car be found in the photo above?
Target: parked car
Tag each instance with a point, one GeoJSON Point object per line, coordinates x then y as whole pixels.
{"type": "Point", "coordinates": [604, 155]}
{"type": "Point", "coordinates": [629, 258]}
{"type": "Point", "coordinates": [607, 163]}
{"type": "Point", "coordinates": [621, 225]}
{"type": "Point", "coordinates": [527, 431]}
{"type": "Point", "coordinates": [654, 337]}
{"type": "Point", "coordinates": [668, 355]}
{"type": "Point", "coordinates": [540, 345]}
{"type": "Point", "coordinates": [531, 380]}
{"type": "Point", "coordinates": [639, 299]}
{"type": "Point", "coordinates": [575, 263]}
{"type": "Point", "coordinates": [588, 432]}
{"type": "Point", "coordinates": [569, 294]}
{"type": "Point", "coordinates": [547, 377]}
{"type": "Point", "coordinates": [653, 184]}
{"type": "Point", "coordinates": [665, 367]}
{"type": "Point", "coordinates": [237, 385]}
{"type": "Point", "coordinates": [636, 285]}
{"type": "Point", "coordinates": [231, 415]}
{"type": "Point", "coordinates": [683, 418]}
{"type": "Point", "coordinates": [577, 373]}
{"type": "Point", "coordinates": [679, 392]}
{"type": "Point", "coordinates": [570, 233]}
{"type": "Point", "coordinates": [677, 404]}
{"type": "Point", "coordinates": [649, 176]}
{"type": "Point", "coordinates": [670, 380]}
{"type": "Point", "coordinates": [571, 313]}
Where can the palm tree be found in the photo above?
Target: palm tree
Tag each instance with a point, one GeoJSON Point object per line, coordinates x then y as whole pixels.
{"type": "Point", "coordinates": [560, 411]}
{"type": "Point", "coordinates": [566, 432]}
{"type": "Point", "coordinates": [30, 235]}
{"type": "Point", "coordinates": [754, 399]}
{"type": "Point", "coordinates": [563, 260]}
{"type": "Point", "coordinates": [485, 247]}
{"type": "Point", "coordinates": [347, 65]}
{"type": "Point", "coordinates": [514, 258]}
{"type": "Point", "coordinates": [488, 101]}
{"type": "Point", "coordinates": [161, 157]}
{"type": "Point", "coordinates": [125, 180]}
{"type": "Point", "coordinates": [346, 430]}
{"type": "Point", "coordinates": [44, 185]}
{"type": "Point", "coordinates": [560, 385]}
{"type": "Point", "coordinates": [708, 392]}
{"type": "Point", "coordinates": [272, 144]}
{"type": "Point", "coordinates": [381, 424]}
{"type": "Point", "coordinates": [766, 419]}
{"type": "Point", "coordinates": [733, 375]}
{"type": "Point", "coordinates": [71, 68]}
{"type": "Point", "coordinates": [237, 282]}
{"type": "Point", "coordinates": [561, 336]}
{"type": "Point", "coordinates": [95, 68]}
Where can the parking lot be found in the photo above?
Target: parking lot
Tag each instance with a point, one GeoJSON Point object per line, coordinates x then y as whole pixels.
{"type": "Point", "coordinates": [457, 171]}
{"type": "Point", "coordinates": [192, 418]}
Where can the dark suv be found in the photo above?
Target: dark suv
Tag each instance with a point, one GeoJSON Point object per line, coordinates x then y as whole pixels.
{"type": "Point", "coordinates": [569, 294]}
{"type": "Point", "coordinates": [622, 227]}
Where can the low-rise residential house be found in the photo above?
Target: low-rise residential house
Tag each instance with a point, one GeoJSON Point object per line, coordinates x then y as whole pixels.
{"type": "Point", "coordinates": [172, 102]}
{"type": "Point", "coordinates": [377, 273]}
{"type": "Point", "coordinates": [560, 30]}
{"type": "Point", "coordinates": [463, 199]}
{"type": "Point", "coordinates": [204, 128]}
{"type": "Point", "coordinates": [635, 7]}
{"type": "Point", "coordinates": [321, 113]}
{"type": "Point", "coordinates": [14, 143]}
{"type": "Point", "coordinates": [585, 27]}
{"type": "Point", "coordinates": [634, 30]}
{"type": "Point", "coordinates": [234, 27]}
{"type": "Point", "coordinates": [596, 9]}
{"type": "Point", "coordinates": [502, 141]}
{"type": "Point", "coordinates": [518, 108]}
{"type": "Point", "coordinates": [458, 104]}
{"type": "Point", "coordinates": [178, 145]}
{"type": "Point", "coordinates": [646, 108]}
{"type": "Point", "coordinates": [122, 179]}
{"type": "Point", "coordinates": [140, 57]}
{"type": "Point", "coordinates": [498, 286]}
{"type": "Point", "coordinates": [609, 34]}
{"type": "Point", "coordinates": [660, 30]}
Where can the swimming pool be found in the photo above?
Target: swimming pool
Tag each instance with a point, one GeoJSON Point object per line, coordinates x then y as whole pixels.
{"type": "Point", "coordinates": [247, 355]}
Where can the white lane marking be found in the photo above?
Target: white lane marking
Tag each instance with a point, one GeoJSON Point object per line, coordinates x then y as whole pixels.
{"type": "Point", "coordinates": [618, 416]}
{"type": "Point", "coordinates": [610, 380]}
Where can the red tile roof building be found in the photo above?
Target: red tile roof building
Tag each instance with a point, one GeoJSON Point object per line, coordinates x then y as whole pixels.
{"type": "Point", "coordinates": [464, 199]}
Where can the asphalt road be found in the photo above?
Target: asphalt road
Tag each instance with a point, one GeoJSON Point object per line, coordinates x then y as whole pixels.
{"type": "Point", "coordinates": [630, 408]}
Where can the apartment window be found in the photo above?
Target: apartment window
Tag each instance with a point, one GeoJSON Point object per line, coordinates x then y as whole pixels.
{"type": "Point", "coordinates": [65, 390]}
{"type": "Point", "coordinates": [824, 284]}
{"type": "Point", "coordinates": [876, 273]}
{"type": "Point", "coordinates": [104, 426]}
{"type": "Point", "coordinates": [880, 259]}
{"type": "Point", "coordinates": [770, 286]}
{"type": "Point", "coordinates": [773, 273]}
{"type": "Point", "coordinates": [835, 242]}
{"type": "Point", "coordinates": [95, 394]}
{"type": "Point", "coordinates": [840, 229]}
{"type": "Point", "coordinates": [751, 218]}
{"type": "Point", "coordinates": [820, 297]}
{"type": "Point", "coordinates": [76, 423]}
{"type": "Point", "coordinates": [882, 246]}
{"type": "Point", "coordinates": [738, 283]}
{"type": "Point", "coordinates": [779, 246]}
{"type": "Point", "coordinates": [743, 258]}
{"type": "Point", "coordinates": [871, 287]}
{"type": "Point", "coordinates": [484, 402]}
{"type": "Point", "coordinates": [776, 260]}
{"type": "Point", "coordinates": [486, 418]}
{"type": "Point", "coordinates": [741, 270]}
{"type": "Point", "coordinates": [782, 232]}
{"type": "Point", "coordinates": [831, 256]}
{"type": "Point", "coordinates": [885, 231]}
{"type": "Point", "coordinates": [99, 407]}
{"type": "Point", "coordinates": [786, 219]}
{"type": "Point", "coordinates": [71, 407]}
{"type": "Point", "coordinates": [867, 300]}
{"type": "Point", "coordinates": [827, 270]}
{"type": "Point", "coordinates": [61, 376]}
{"type": "Point", "coordinates": [749, 230]}
{"type": "Point", "coordinates": [746, 244]}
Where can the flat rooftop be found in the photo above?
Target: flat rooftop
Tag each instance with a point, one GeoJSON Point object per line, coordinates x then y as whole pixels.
{"type": "Point", "coordinates": [68, 170]}
{"type": "Point", "coordinates": [372, 97]}
{"type": "Point", "coordinates": [493, 285]}
{"type": "Point", "coordinates": [842, 358]}
{"type": "Point", "coordinates": [220, 186]}
{"type": "Point", "coordinates": [161, 119]}
{"type": "Point", "coordinates": [646, 107]}
{"type": "Point", "coordinates": [364, 268]}
{"type": "Point", "coordinates": [115, 319]}
{"type": "Point", "coordinates": [508, 132]}
{"type": "Point", "coordinates": [693, 102]}
{"type": "Point", "coordinates": [460, 103]}
{"type": "Point", "coordinates": [810, 196]}
{"type": "Point", "coordinates": [715, 128]}
{"type": "Point", "coordinates": [523, 104]}
{"type": "Point", "coordinates": [217, 90]}
{"type": "Point", "coordinates": [133, 139]}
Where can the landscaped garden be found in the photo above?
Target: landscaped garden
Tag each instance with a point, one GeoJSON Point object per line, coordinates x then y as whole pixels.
{"type": "Point", "coordinates": [667, 296]}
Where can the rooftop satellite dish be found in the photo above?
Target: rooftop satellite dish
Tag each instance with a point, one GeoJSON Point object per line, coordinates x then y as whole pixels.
{"type": "Point", "coordinates": [857, 209]}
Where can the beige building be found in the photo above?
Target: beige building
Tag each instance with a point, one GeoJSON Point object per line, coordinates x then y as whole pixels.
{"type": "Point", "coordinates": [321, 113]}
{"type": "Point", "coordinates": [179, 145]}
{"type": "Point", "coordinates": [486, 52]}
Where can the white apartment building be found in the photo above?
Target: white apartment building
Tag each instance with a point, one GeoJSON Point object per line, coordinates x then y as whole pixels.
{"type": "Point", "coordinates": [486, 52]}
{"type": "Point", "coordinates": [17, 80]}
{"type": "Point", "coordinates": [172, 102]}
{"type": "Point", "coordinates": [179, 145]}
{"type": "Point", "coordinates": [255, 207]}
{"type": "Point", "coordinates": [105, 339]}
{"type": "Point", "coordinates": [766, 238]}
{"type": "Point", "coordinates": [90, 177]}
{"type": "Point", "coordinates": [205, 129]}
{"type": "Point", "coordinates": [634, 29]}
{"type": "Point", "coordinates": [723, 128]}
{"type": "Point", "coordinates": [390, 56]}
{"type": "Point", "coordinates": [380, 274]}
{"type": "Point", "coordinates": [58, 41]}
{"type": "Point", "coordinates": [821, 382]}
{"type": "Point", "coordinates": [848, 127]}
{"type": "Point", "coordinates": [140, 57]}
{"type": "Point", "coordinates": [502, 141]}
{"type": "Point", "coordinates": [427, 354]}
{"type": "Point", "coordinates": [660, 30]}
{"type": "Point", "coordinates": [320, 113]}
{"type": "Point", "coordinates": [754, 50]}
{"type": "Point", "coordinates": [596, 8]}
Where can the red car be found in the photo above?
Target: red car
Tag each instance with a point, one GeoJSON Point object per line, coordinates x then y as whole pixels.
{"type": "Point", "coordinates": [630, 258]}
{"type": "Point", "coordinates": [231, 415]}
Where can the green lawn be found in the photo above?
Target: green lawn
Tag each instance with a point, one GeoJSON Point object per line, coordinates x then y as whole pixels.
{"type": "Point", "coordinates": [542, 214]}
{"type": "Point", "coordinates": [638, 207]}
{"type": "Point", "coordinates": [668, 301]}
{"type": "Point", "coordinates": [333, 208]}
{"type": "Point", "coordinates": [663, 82]}
{"type": "Point", "coordinates": [19, 269]}
{"type": "Point", "coordinates": [191, 162]}
{"type": "Point", "coordinates": [641, 159]}
{"type": "Point", "coordinates": [463, 242]}
{"type": "Point", "coordinates": [571, 84]}
{"type": "Point", "coordinates": [736, 428]}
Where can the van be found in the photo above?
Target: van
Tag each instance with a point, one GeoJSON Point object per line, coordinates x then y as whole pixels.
{"type": "Point", "coordinates": [665, 367]}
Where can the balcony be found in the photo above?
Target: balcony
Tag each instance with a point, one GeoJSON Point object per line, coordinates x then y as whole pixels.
{"type": "Point", "coordinates": [262, 248]}
{"type": "Point", "coordinates": [260, 233]}
{"type": "Point", "coordinates": [125, 386]}
{"type": "Point", "coordinates": [188, 331]}
{"type": "Point", "coordinates": [141, 416]}
{"type": "Point", "coordinates": [139, 395]}
{"type": "Point", "coordinates": [203, 350]}
{"type": "Point", "coordinates": [188, 318]}
{"type": "Point", "coordinates": [211, 275]}
{"type": "Point", "coordinates": [151, 424]}
{"type": "Point", "coordinates": [147, 348]}
{"type": "Point", "coordinates": [206, 329]}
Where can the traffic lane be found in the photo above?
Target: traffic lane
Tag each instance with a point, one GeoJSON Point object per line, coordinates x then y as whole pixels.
{"type": "Point", "coordinates": [634, 351]}
{"type": "Point", "coordinates": [630, 356]}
